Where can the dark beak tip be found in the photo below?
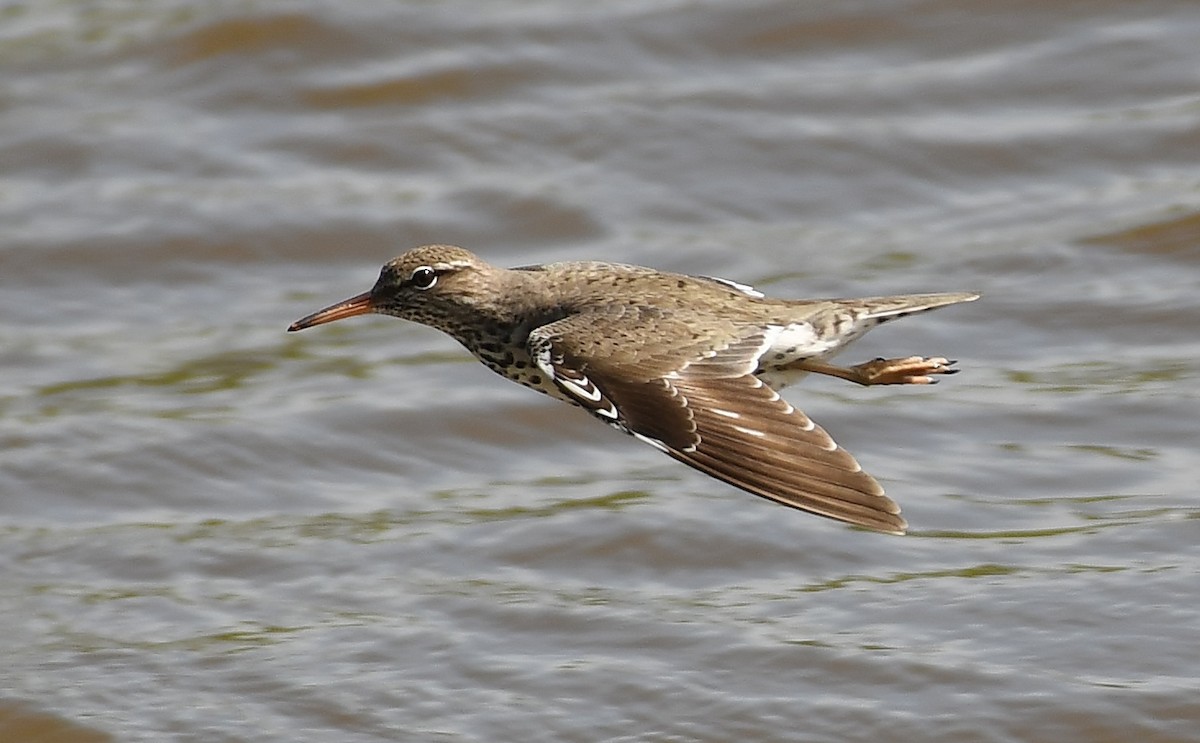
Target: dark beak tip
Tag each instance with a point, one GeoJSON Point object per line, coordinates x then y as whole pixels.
{"type": "Point", "coordinates": [300, 324]}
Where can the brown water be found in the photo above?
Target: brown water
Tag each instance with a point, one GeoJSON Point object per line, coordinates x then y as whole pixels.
{"type": "Point", "coordinates": [216, 531]}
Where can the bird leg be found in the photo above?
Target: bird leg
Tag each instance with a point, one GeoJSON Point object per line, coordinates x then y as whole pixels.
{"type": "Point", "coordinates": [911, 370]}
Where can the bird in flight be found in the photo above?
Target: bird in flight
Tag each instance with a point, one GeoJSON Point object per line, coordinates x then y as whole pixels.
{"type": "Point", "coordinates": [690, 365]}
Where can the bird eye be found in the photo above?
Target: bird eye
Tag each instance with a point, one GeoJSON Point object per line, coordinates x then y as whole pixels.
{"type": "Point", "coordinates": [424, 277]}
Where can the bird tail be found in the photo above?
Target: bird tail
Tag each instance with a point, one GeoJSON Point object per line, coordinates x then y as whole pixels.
{"type": "Point", "coordinates": [890, 308]}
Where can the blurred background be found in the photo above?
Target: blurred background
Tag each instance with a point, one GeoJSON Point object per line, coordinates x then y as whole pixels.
{"type": "Point", "coordinates": [213, 530]}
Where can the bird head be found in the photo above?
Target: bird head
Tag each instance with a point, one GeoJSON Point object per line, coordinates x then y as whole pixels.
{"type": "Point", "coordinates": [426, 285]}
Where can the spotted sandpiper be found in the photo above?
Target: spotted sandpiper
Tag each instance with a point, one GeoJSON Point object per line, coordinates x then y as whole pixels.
{"type": "Point", "coordinates": [691, 365]}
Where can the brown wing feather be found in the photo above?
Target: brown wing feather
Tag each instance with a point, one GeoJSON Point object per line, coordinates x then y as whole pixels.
{"type": "Point", "coordinates": [703, 406]}
{"type": "Point", "coordinates": [793, 462]}
{"type": "Point", "coordinates": [770, 448]}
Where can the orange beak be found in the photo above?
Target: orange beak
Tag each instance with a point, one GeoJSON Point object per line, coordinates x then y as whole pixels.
{"type": "Point", "coordinates": [352, 307]}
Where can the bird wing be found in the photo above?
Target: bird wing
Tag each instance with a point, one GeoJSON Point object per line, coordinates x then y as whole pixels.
{"type": "Point", "coordinates": [700, 403]}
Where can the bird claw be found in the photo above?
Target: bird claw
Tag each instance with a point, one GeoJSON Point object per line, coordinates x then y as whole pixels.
{"type": "Point", "coordinates": [911, 370]}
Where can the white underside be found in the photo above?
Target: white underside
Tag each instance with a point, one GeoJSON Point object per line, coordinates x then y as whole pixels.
{"type": "Point", "coordinates": [799, 340]}
{"type": "Point", "coordinates": [796, 342]}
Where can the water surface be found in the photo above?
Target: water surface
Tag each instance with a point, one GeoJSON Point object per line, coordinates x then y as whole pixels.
{"type": "Point", "coordinates": [215, 530]}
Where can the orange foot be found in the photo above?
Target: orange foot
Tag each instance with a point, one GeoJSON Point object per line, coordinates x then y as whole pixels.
{"type": "Point", "coordinates": [912, 370]}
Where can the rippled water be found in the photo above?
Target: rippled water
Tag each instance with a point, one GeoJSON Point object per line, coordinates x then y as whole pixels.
{"type": "Point", "coordinates": [214, 530]}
